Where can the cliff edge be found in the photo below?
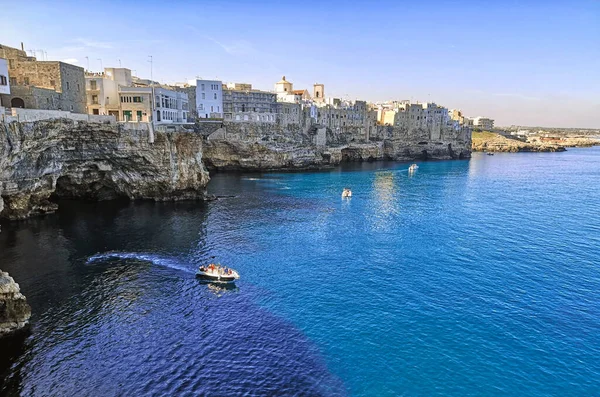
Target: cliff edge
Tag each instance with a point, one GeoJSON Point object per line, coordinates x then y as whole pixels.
{"type": "Point", "coordinates": [75, 159]}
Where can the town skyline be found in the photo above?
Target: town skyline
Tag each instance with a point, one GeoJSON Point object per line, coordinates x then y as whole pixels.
{"type": "Point", "coordinates": [493, 84]}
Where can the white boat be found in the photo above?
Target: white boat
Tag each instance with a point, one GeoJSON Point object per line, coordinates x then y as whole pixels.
{"type": "Point", "coordinates": [346, 193]}
{"type": "Point", "coordinates": [217, 273]}
{"type": "Point", "coordinates": [413, 167]}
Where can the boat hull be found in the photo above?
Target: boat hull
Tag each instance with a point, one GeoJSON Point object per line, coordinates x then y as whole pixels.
{"type": "Point", "coordinates": [218, 278]}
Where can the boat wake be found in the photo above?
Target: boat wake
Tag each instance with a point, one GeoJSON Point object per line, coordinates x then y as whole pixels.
{"type": "Point", "coordinates": [159, 260]}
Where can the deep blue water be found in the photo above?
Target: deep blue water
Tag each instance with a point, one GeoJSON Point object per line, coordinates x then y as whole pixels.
{"type": "Point", "coordinates": [477, 277]}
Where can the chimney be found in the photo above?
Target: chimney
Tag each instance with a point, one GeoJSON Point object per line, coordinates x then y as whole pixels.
{"type": "Point", "coordinates": [22, 47]}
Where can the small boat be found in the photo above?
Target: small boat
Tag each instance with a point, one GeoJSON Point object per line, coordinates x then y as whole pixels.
{"type": "Point", "coordinates": [490, 153]}
{"type": "Point", "coordinates": [413, 167]}
{"type": "Point", "coordinates": [346, 193]}
{"type": "Point", "coordinates": [218, 273]}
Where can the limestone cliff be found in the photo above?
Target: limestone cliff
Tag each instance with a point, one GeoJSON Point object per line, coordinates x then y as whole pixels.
{"type": "Point", "coordinates": [14, 310]}
{"type": "Point", "coordinates": [252, 147]}
{"type": "Point", "coordinates": [67, 158]}
{"type": "Point", "coordinates": [492, 142]}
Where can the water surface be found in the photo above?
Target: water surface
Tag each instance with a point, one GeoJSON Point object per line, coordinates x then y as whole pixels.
{"type": "Point", "coordinates": [464, 278]}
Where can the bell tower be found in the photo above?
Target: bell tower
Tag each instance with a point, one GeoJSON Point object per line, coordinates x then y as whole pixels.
{"type": "Point", "coordinates": [319, 92]}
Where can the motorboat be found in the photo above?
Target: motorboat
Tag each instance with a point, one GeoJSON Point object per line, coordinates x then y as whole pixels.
{"type": "Point", "coordinates": [346, 193]}
{"type": "Point", "coordinates": [214, 272]}
{"type": "Point", "coordinates": [413, 167]}
{"type": "Point", "coordinates": [490, 153]}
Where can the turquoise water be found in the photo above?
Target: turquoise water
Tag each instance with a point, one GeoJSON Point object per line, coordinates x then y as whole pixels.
{"type": "Point", "coordinates": [477, 277]}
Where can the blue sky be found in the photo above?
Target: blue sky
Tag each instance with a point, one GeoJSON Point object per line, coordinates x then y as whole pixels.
{"type": "Point", "coordinates": [519, 62]}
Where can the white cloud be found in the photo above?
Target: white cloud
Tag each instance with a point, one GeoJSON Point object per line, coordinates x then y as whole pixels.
{"type": "Point", "coordinates": [91, 43]}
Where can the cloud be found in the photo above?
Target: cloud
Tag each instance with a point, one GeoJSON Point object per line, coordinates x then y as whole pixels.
{"type": "Point", "coordinates": [70, 60]}
{"type": "Point", "coordinates": [238, 47]}
{"type": "Point", "coordinates": [91, 43]}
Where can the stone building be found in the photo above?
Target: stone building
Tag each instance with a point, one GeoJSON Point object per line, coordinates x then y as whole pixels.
{"type": "Point", "coordinates": [249, 105]}
{"type": "Point", "coordinates": [428, 117]}
{"type": "Point", "coordinates": [4, 77]}
{"type": "Point", "coordinates": [483, 123]}
{"type": "Point", "coordinates": [50, 85]}
{"type": "Point", "coordinates": [114, 92]}
{"type": "Point", "coordinates": [285, 92]}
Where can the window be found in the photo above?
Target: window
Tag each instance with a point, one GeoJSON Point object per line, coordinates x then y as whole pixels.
{"type": "Point", "coordinates": [215, 95]}
{"type": "Point", "coordinates": [203, 96]}
{"type": "Point", "coordinates": [78, 88]}
{"type": "Point", "coordinates": [26, 80]}
{"type": "Point", "coordinates": [93, 84]}
{"type": "Point", "coordinates": [137, 99]}
{"type": "Point", "coordinates": [67, 85]}
{"type": "Point", "coordinates": [211, 109]}
{"type": "Point", "coordinates": [11, 63]}
{"type": "Point", "coordinates": [202, 87]}
{"type": "Point", "coordinates": [200, 107]}
{"type": "Point", "coordinates": [94, 99]}
{"type": "Point", "coordinates": [71, 108]}
{"type": "Point", "coordinates": [13, 80]}
{"type": "Point", "coordinates": [3, 80]}
{"type": "Point", "coordinates": [96, 111]}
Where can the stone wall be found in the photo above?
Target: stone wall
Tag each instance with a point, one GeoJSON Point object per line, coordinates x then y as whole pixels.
{"type": "Point", "coordinates": [22, 115]}
{"type": "Point", "coordinates": [98, 161]}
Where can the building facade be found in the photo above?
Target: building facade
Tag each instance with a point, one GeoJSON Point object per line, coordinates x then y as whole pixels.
{"type": "Point", "coordinates": [115, 93]}
{"type": "Point", "coordinates": [29, 77]}
{"type": "Point", "coordinates": [4, 77]}
{"type": "Point", "coordinates": [483, 123]}
{"type": "Point", "coordinates": [249, 105]}
{"type": "Point", "coordinates": [209, 99]}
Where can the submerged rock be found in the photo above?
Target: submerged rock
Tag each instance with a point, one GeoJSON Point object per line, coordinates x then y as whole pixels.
{"type": "Point", "coordinates": [14, 309]}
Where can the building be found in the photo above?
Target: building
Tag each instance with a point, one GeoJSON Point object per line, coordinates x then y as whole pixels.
{"type": "Point", "coordinates": [249, 105]}
{"type": "Point", "coordinates": [239, 86]}
{"type": "Point", "coordinates": [286, 93]}
{"type": "Point", "coordinates": [115, 92]}
{"type": "Point", "coordinates": [49, 85]}
{"type": "Point", "coordinates": [483, 123]}
{"type": "Point", "coordinates": [4, 78]}
{"type": "Point", "coordinates": [319, 92]}
{"type": "Point", "coordinates": [209, 99]}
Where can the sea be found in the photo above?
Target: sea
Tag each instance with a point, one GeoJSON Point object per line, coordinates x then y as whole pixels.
{"type": "Point", "coordinates": [465, 278]}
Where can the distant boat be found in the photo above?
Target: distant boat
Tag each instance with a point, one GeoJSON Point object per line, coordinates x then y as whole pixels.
{"type": "Point", "coordinates": [490, 153]}
{"type": "Point", "coordinates": [413, 167]}
{"type": "Point", "coordinates": [217, 273]}
{"type": "Point", "coordinates": [346, 193]}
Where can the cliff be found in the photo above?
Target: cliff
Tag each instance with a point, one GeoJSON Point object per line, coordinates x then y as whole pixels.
{"type": "Point", "coordinates": [259, 147]}
{"type": "Point", "coordinates": [74, 159]}
{"type": "Point", "coordinates": [492, 142]}
{"type": "Point", "coordinates": [14, 310]}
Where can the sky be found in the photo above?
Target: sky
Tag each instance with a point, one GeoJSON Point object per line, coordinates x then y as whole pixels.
{"type": "Point", "coordinates": [530, 63]}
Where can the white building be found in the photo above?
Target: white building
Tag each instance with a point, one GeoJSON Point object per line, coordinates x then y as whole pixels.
{"type": "Point", "coordinates": [209, 99]}
{"type": "Point", "coordinates": [4, 79]}
{"type": "Point", "coordinates": [483, 122]}
{"type": "Point", "coordinates": [114, 93]}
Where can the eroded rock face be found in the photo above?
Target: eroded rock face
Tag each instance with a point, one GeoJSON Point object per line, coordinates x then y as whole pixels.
{"type": "Point", "coordinates": [95, 161]}
{"type": "Point", "coordinates": [14, 310]}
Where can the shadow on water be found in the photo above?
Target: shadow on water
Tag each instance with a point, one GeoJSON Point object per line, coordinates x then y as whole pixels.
{"type": "Point", "coordinates": [114, 296]}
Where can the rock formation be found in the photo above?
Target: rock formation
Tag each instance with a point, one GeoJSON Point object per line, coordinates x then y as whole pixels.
{"type": "Point", "coordinates": [492, 142]}
{"type": "Point", "coordinates": [14, 310]}
{"type": "Point", "coordinates": [74, 159]}
{"type": "Point", "coordinates": [247, 147]}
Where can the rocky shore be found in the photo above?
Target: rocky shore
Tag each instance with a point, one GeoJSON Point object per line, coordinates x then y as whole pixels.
{"type": "Point", "coordinates": [493, 142]}
{"type": "Point", "coordinates": [14, 310]}
{"type": "Point", "coordinates": [71, 159]}
{"type": "Point", "coordinates": [233, 147]}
